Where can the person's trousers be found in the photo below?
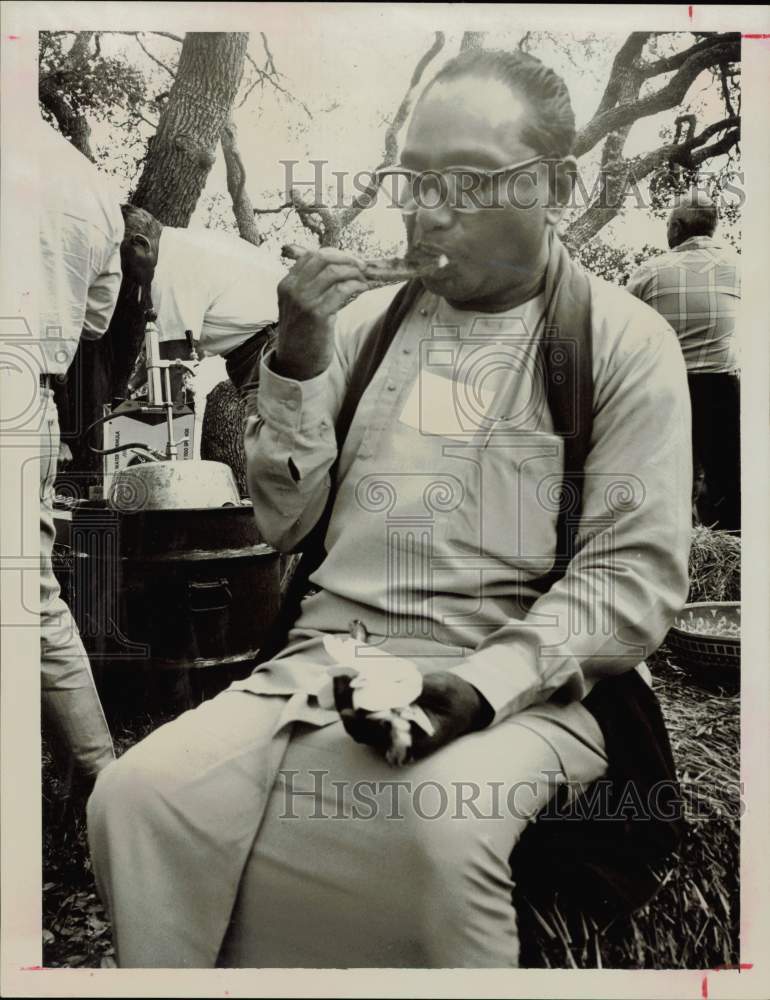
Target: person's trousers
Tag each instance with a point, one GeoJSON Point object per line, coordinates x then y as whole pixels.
{"type": "Point", "coordinates": [215, 842]}
{"type": "Point", "coordinates": [73, 718]}
{"type": "Point", "coordinates": [242, 365]}
{"type": "Point", "coordinates": [716, 443]}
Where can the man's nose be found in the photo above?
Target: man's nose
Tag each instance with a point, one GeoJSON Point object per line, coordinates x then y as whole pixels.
{"type": "Point", "coordinates": [429, 218]}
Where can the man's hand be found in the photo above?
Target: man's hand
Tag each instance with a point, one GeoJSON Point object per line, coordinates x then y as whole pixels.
{"type": "Point", "coordinates": [309, 297]}
{"type": "Point", "coordinates": [453, 705]}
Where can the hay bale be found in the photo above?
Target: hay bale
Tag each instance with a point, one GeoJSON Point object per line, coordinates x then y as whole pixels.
{"type": "Point", "coordinates": [715, 565]}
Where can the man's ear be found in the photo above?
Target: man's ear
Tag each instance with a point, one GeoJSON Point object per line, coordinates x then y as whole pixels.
{"type": "Point", "coordinates": [137, 240]}
{"type": "Point", "coordinates": [140, 248]}
{"type": "Point", "coordinates": [561, 181]}
{"type": "Point", "coordinates": [138, 258]}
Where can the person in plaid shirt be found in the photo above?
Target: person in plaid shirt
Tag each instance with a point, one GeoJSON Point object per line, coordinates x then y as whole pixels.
{"type": "Point", "coordinates": [696, 288]}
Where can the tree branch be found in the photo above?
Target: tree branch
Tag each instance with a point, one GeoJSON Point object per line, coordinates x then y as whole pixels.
{"type": "Point", "coordinates": [690, 154]}
{"type": "Point", "coordinates": [236, 185]}
{"type": "Point", "coordinates": [668, 65]}
{"type": "Point", "coordinates": [326, 223]}
{"type": "Point", "coordinates": [626, 57]}
{"type": "Point", "coordinates": [159, 62]}
{"type": "Point", "coordinates": [687, 154]}
{"type": "Point", "coordinates": [72, 124]}
{"type": "Point", "coordinates": [524, 41]}
{"type": "Point", "coordinates": [726, 50]}
{"type": "Point", "coordinates": [270, 62]}
{"type": "Point", "coordinates": [726, 90]}
{"type": "Point", "coordinates": [725, 144]}
{"type": "Point", "coordinates": [274, 211]}
{"type": "Point", "coordinates": [162, 34]}
{"type": "Point", "coordinates": [80, 47]}
{"type": "Point", "coordinates": [390, 153]}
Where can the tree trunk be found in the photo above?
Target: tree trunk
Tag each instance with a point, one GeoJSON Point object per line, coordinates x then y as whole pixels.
{"type": "Point", "coordinates": [182, 151]}
{"type": "Point", "coordinates": [614, 170]}
{"type": "Point", "coordinates": [53, 87]}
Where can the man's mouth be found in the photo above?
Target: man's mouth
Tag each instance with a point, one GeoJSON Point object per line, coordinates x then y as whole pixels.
{"type": "Point", "coordinates": [428, 260]}
{"type": "Point", "coordinates": [441, 257]}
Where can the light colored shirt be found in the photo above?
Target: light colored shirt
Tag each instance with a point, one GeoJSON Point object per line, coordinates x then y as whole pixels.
{"type": "Point", "coordinates": [696, 287]}
{"type": "Point", "coordinates": [446, 504]}
{"type": "Point", "coordinates": [81, 227]}
{"type": "Point", "coordinates": [219, 286]}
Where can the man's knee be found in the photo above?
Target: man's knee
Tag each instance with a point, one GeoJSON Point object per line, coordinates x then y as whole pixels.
{"type": "Point", "coordinates": [453, 829]}
{"type": "Point", "coordinates": [129, 787]}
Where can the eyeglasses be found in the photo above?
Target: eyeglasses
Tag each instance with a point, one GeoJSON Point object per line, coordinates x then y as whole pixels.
{"type": "Point", "coordinates": [463, 189]}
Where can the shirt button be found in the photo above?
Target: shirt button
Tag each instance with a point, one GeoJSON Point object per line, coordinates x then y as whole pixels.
{"type": "Point", "coordinates": [291, 403]}
{"type": "Point", "coordinates": [407, 350]}
{"type": "Point", "coordinates": [391, 386]}
{"type": "Point", "coordinates": [423, 312]}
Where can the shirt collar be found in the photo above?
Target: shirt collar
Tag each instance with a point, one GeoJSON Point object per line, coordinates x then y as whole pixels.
{"type": "Point", "coordinates": [696, 243]}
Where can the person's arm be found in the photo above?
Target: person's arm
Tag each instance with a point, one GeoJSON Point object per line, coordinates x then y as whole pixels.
{"type": "Point", "coordinates": [638, 284]}
{"type": "Point", "coordinates": [103, 288]}
{"type": "Point", "coordinates": [290, 444]}
{"type": "Point", "coordinates": [629, 575]}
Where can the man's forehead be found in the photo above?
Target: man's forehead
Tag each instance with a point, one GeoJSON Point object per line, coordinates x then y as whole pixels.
{"type": "Point", "coordinates": [472, 116]}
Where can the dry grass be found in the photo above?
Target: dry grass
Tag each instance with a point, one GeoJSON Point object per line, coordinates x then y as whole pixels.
{"type": "Point", "coordinates": [715, 566]}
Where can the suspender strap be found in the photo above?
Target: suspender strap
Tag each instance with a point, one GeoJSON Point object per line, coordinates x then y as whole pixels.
{"type": "Point", "coordinates": [566, 360]}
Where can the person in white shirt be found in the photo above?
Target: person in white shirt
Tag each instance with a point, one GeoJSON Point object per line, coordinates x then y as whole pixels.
{"type": "Point", "coordinates": [80, 231]}
{"type": "Point", "coordinates": [214, 284]}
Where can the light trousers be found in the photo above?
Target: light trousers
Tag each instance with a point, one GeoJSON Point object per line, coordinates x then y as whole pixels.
{"type": "Point", "coordinates": [228, 838]}
{"type": "Point", "coordinates": [73, 718]}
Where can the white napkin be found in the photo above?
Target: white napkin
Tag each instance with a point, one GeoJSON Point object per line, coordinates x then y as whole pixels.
{"type": "Point", "coordinates": [381, 682]}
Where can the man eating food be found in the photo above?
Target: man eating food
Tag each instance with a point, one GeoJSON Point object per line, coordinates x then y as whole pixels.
{"type": "Point", "coordinates": [411, 446]}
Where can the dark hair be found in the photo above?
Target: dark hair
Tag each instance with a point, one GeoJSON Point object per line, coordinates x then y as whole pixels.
{"type": "Point", "coordinates": [697, 221]}
{"type": "Point", "coordinates": [552, 131]}
{"type": "Point", "coordinates": [141, 222]}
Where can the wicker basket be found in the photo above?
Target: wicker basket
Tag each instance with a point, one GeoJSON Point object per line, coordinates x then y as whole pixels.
{"type": "Point", "coordinates": [703, 655]}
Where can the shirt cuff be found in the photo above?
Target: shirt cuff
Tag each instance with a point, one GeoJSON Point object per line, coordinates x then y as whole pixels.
{"type": "Point", "coordinates": [284, 401]}
{"type": "Point", "coordinates": [504, 677]}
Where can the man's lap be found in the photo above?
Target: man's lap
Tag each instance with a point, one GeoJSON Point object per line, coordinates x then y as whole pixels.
{"type": "Point", "coordinates": [349, 842]}
{"type": "Point", "coordinates": [222, 763]}
{"type": "Point", "coordinates": [200, 794]}
{"type": "Point", "coordinates": [237, 724]}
